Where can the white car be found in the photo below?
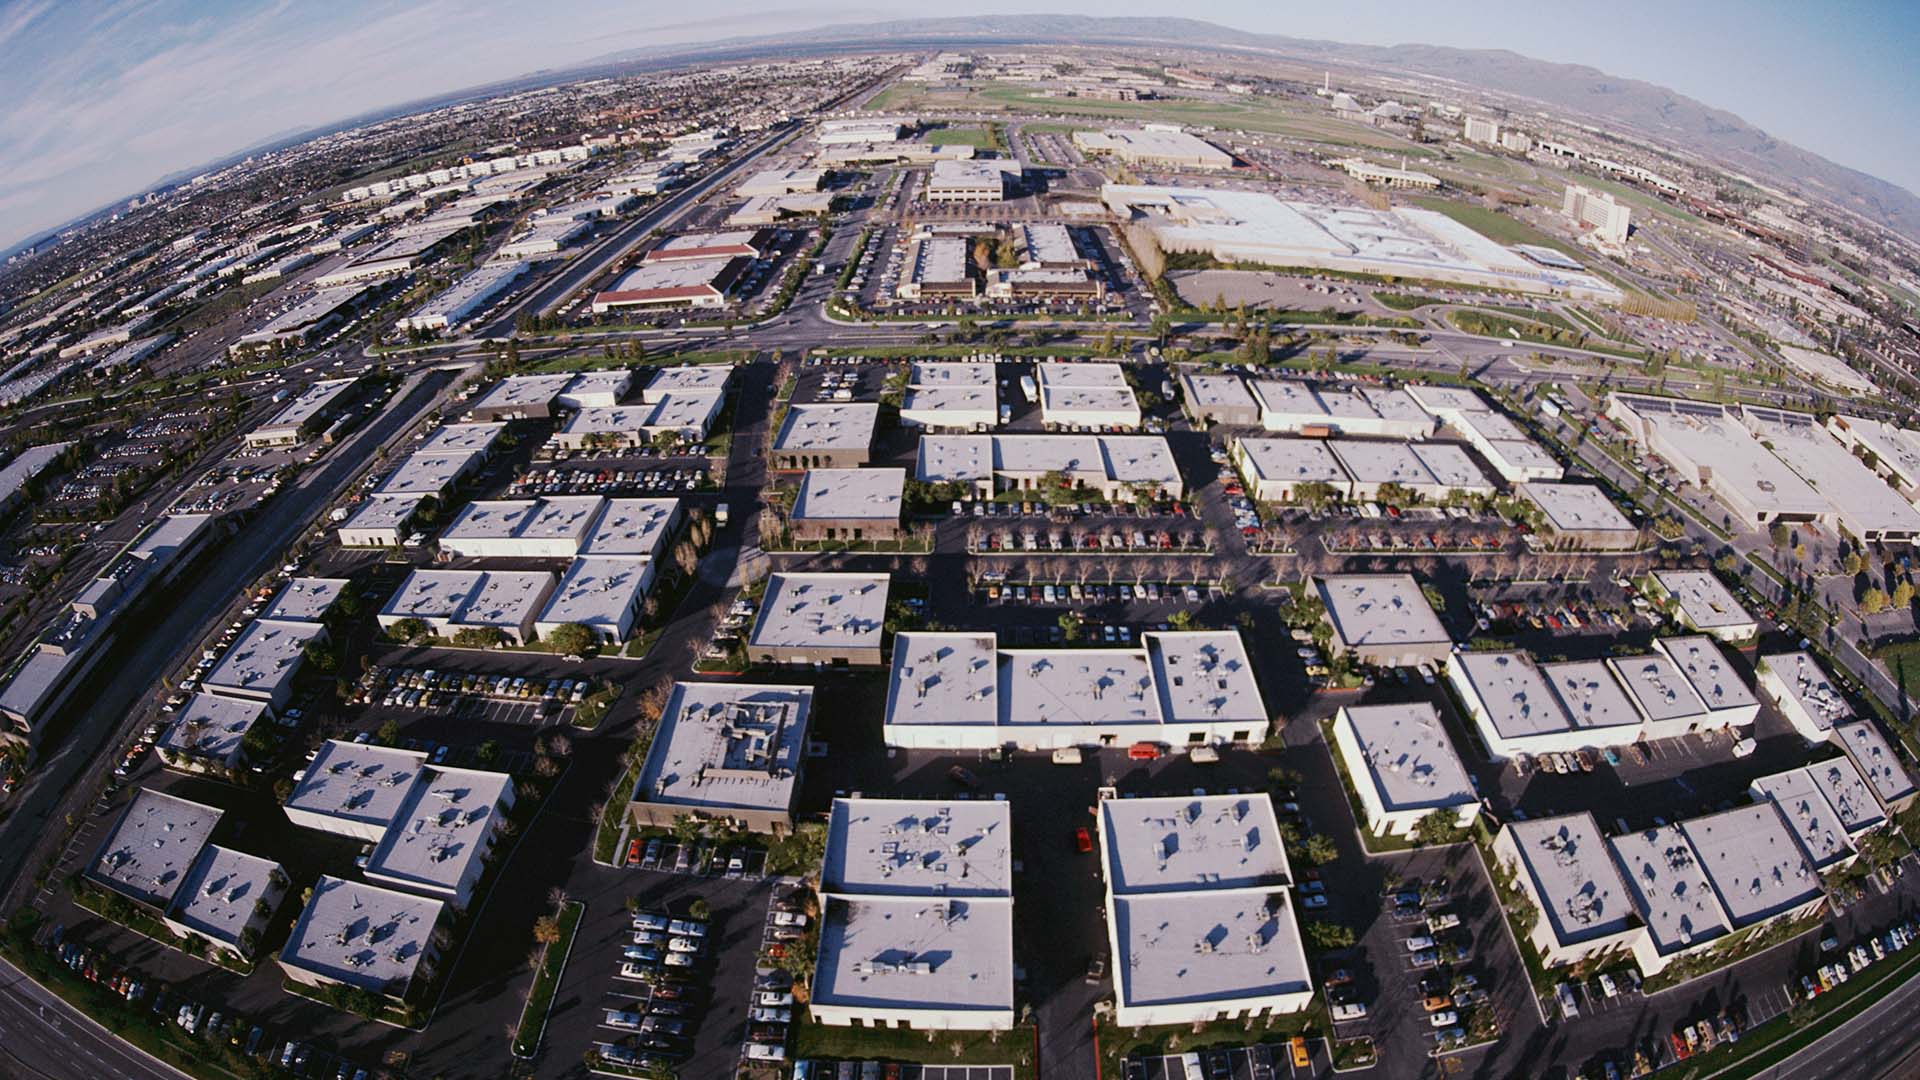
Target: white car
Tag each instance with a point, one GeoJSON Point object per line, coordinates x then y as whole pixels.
{"type": "Point", "coordinates": [1444, 1018]}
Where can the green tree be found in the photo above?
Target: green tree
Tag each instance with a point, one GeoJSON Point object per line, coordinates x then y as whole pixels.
{"type": "Point", "coordinates": [1436, 827]}
{"type": "Point", "coordinates": [1069, 626]}
{"type": "Point", "coordinates": [409, 629]}
{"type": "Point", "coordinates": [389, 734]}
{"type": "Point", "coordinates": [571, 639]}
{"type": "Point", "coordinates": [1327, 936]}
{"type": "Point", "coordinates": [1903, 595]}
{"type": "Point", "coordinates": [1873, 601]}
{"type": "Point", "coordinates": [1321, 849]}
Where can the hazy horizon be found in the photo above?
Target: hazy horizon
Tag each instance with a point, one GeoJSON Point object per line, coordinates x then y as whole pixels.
{"type": "Point", "coordinates": [108, 98]}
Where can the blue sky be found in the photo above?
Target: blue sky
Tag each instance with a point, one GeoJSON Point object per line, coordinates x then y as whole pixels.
{"type": "Point", "coordinates": [102, 97]}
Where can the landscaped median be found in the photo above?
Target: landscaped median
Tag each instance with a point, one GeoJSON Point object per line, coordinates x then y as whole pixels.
{"type": "Point", "coordinates": [546, 980]}
{"type": "Point", "coordinates": [1014, 1048]}
{"type": "Point", "coordinates": [1118, 1043]}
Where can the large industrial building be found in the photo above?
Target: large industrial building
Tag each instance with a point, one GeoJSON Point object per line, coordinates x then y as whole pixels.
{"type": "Point", "coordinates": [731, 752]}
{"type": "Point", "coordinates": [1200, 913]}
{"type": "Point", "coordinates": [1403, 242]}
{"type": "Point", "coordinates": [1120, 468]}
{"type": "Point", "coordinates": [700, 283]}
{"type": "Point", "coordinates": [1155, 144]}
{"type": "Point", "coordinates": [960, 690]}
{"type": "Point", "coordinates": [466, 298]}
{"type": "Point", "coordinates": [916, 916]}
{"type": "Point", "coordinates": [1709, 447]}
{"type": "Point", "coordinates": [306, 415]}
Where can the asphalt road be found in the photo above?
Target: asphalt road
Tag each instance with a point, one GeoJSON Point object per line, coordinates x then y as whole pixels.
{"type": "Point", "coordinates": [44, 1038]}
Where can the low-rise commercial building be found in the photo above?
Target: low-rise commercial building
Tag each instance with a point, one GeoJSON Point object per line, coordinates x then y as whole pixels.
{"type": "Point", "coordinates": [380, 521]}
{"type": "Point", "coordinates": [208, 733]}
{"type": "Point", "coordinates": [849, 504]}
{"type": "Point", "coordinates": [1200, 915]}
{"type": "Point", "coordinates": [685, 379]}
{"type": "Point", "coordinates": [603, 593]}
{"type": "Point", "coordinates": [1580, 516]}
{"type": "Point", "coordinates": [536, 397]}
{"type": "Point", "coordinates": [1515, 456]}
{"type": "Point", "coordinates": [1383, 620]}
{"type": "Point", "coordinates": [916, 927]}
{"type": "Point", "coordinates": [1563, 866]}
{"type": "Point", "coordinates": [430, 474]}
{"type": "Point", "coordinates": [1876, 759]}
{"type": "Point", "coordinates": [825, 436]}
{"type": "Point", "coordinates": [1704, 604]}
{"type": "Point", "coordinates": [551, 527]}
{"type": "Point", "coordinates": [699, 283]}
{"type": "Point", "coordinates": [363, 936]}
{"type": "Point", "coordinates": [820, 619]}
{"type": "Point", "coordinates": [951, 397]}
{"type": "Point", "coordinates": [1217, 399]}
{"type": "Point", "coordinates": [1799, 687]}
{"type": "Point", "coordinates": [1403, 766]}
{"type": "Point", "coordinates": [449, 601]}
{"type": "Point", "coordinates": [1856, 497]}
{"type": "Point", "coordinates": [1119, 468]}
{"type": "Point", "coordinates": [1155, 144]}
{"type": "Point", "coordinates": [937, 268]}
{"type": "Point", "coordinates": [732, 752]}
{"type": "Point", "coordinates": [1709, 447]}
{"type": "Point", "coordinates": [686, 416]}
{"type": "Point", "coordinates": [741, 243]}
{"type": "Point", "coordinates": [971, 181]}
{"type": "Point", "coordinates": [1301, 408]}
{"type": "Point", "coordinates": [1086, 395]}
{"type": "Point", "coordinates": [264, 661]}
{"type": "Point", "coordinates": [960, 691]}
{"type": "Point", "coordinates": [466, 298]}
{"type": "Point", "coordinates": [1275, 470]}
{"type": "Point", "coordinates": [306, 415]}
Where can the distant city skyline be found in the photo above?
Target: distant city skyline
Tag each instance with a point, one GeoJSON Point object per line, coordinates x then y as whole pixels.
{"type": "Point", "coordinates": [106, 98]}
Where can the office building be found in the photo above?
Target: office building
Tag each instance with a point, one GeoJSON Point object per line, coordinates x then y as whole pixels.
{"type": "Point", "coordinates": [849, 504]}
{"type": "Point", "coordinates": [363, 936]}
{"type": "Point", "coordinates": [1119, 468]}
{"type": "Point", "coordinates": [825, 436]}
{"type": "Point", "coordinates": [1597, 210]}
{"type": "Point", "coordinates": [820, 619]}
{"type": "Point", "coordinates": [1382, 620]}
{"type": "Point", "coordinates": [731, 752]}
{"type": "Point", "coordinates": [1704, 604]}
{"type": "Point", "coordinates": [1565, 869]}
{"type": "Point", "coordinates": [1403, 766]}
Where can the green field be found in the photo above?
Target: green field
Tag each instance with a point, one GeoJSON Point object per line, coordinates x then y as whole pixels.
{"type": "Point", "coordinates": [978, 138]}
{"type": "Point", "coordinates": [1256, 114]}
{"type": "Point", "coordinates": [1502, 229]}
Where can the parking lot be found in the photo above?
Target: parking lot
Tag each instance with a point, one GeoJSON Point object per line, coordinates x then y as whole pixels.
{"type": "Point", "coordinates": [1262, 1061]}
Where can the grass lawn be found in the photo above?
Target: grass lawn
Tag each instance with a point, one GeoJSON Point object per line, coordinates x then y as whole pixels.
{"type": "Point", "coordinates": [985, 138]}
{"type": "Point", "coordinates": [595, 361]}
{"type": "Point", "coordinates": [607, 837]}
{"type": "Point", "coordinates": [1406, 301]}
{"type": "Point", "coordinates": [1902, 659]}
{"type": "Point", "coordinates": [1118, 1042]}
{"type": "Point", "coordinates": [1015, 1048]}
{"type": "Point", "coordinates": [533, 1018]}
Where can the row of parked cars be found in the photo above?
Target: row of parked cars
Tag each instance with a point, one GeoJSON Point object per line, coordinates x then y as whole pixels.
{"type": "Point", "coordinates": [658, 998]}
{"type": "Point", "coordinates": [1148, 592]}
{"type": "Point", "coordinates": [1864, 955]}
{"type": "Point", "coordinates": [770, 1012]}
{"type": "Point", "coordinates": [1165, 508]}
{"type": "Point", "coordinates": [196, 1018]}
{"type": "Point", "coordinates": [413, 688]}
{"type": "Point", "coordinates": [606, 481]}
{"type": "Point", "coordinates": [1438, 944]}
{"type": "Point", "coordinates": [1134, 540]}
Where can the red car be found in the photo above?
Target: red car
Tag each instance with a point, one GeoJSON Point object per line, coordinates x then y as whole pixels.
{"type": "Point", "coordinates": [633, 853]}
{"type": "Point", "coordinates": [1143, 751]}
{"type": "Point", "coordinates": [1082, 840]}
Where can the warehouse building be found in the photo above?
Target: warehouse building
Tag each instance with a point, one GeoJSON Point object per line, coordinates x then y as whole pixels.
{"type": "Point", "coordinates": [466, 298]}
{"type": "Point", "coordinates": [262, 664]}
{"type": "Point", "coordinates": [208, 732]}
{"type": "Point", "coordinates": [306, 415]}
{"type": "Point", "coordinates": [1704, 604]}
{"type": "Point", "coordinates": [1120, 468]}
{"type": "Point", "coordinates": [951, 397]}
{"type": "Point", "coordinates": [1580, 517]}
{"type": "Point", "coordinates": [916, 916]}
{"type": "Point", "coordinates": [448, 601]}
{"type": "Point", "coordinates": [1382, 619]}
{"type": "Point", "coordinates": [1274, 470]}
{"type": "Point", "coordinates": [685, 379]}
{"type": "Point", "coordinates": [1878, 762]}
{"type": "Point", "coordinates": [1515, 456]}
{"type": "Point", "coordinates": [699, 283]}
{"type": "Point", "coordinates": [1672, 895]}
{"type": "Point", "coordinates": [380, 521]}
{"type": "Point", "coordinates": [825, 436]}
{"type": "Point", "coordinates": [776, 209]}
{"type": "Point", "coordinates": [1299, 408]}
{"type": "Point", "coordinates": [741, 244]}
{"type": "Point", "coordinates": [430, 475]}
{"type": "Point", "coordinates": [686, 416]}
{"type": "Point", "coordinates": [820, 619]}
{"type": "Point", "coordinates": [1564, 867]}
{"type": "Point", "coordinates": [936, 268]}
{"type": "Point", "coordinates": [1386, 176]}
{"type": "Point", "coordinates": [849, 504]}
{"type": "Point", "coordinates": [1217, 399]}
{"type": "Point", "coordinates": [603, 593]}
{"type": "Point", "coordinates": [363, 936]}
{"type": "Point", "coordinates": [1799, 687]}
{"type": "Point", "coordinates": [535, 397]}
{"type": "Point", "coordinates": [1375, 465]}
{"type": "Point", "coordinates": [1403, 766]}
{"type": "Point", "coordinates": [544, 236]}
{"type": "Point", "coordinates": [1891, 451]}
{"type": "Point", "coordinates": [554, 527]}
{"type": "Point", "coordinates": [781, 182]}
{"type": "Point", "coordinates": [1712, 449]}
{"type": "Point", "coordinates": [730, 752]}
{"type": "Point", "coordinates": [972, 181]}
{"type": "Point", "coordinates": [959, 690]}
{"type": "Point", "coordinates": [1856, 496]}
{"type": "Point", "coordinates": [1806, 798]}
{"type": "Point", "coordinates": [1155, 144]}
{"type": "Point", "coordinates": [1200, 913]}
{"type": "Point", "coordinates": [1077, 396]}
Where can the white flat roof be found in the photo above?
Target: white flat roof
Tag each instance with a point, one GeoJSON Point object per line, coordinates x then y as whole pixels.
{"type": "Point", "coordinates": [1581, 893]}
{"type": "Point", "coordinates": [1203, 676]}
{"type": "Point", "coordinates": [470, 597]}
{"type": "Point", "coordinates": [1658, 686]}
{"type": "Point", "coordinates": [1708, 671]}
{"type": "Point", "coordinates": [1379, 610]}
{"type": "Point", "coordinates": [1881, 766]}
{"type": "Point", "coordinates": [688, 377]}
{"type": "Point", "coordinates": [950, 954]}
{"type": "Point", "coordinates": [462, 438]}
{"type": "Point", "coordinates": [221, 889]}
{"type": "Point", "coordinates": [523, 390]}
{"type": "Point", "coordinates": [849, 494]}
{"type": "Point", "coordinates": [147, 853]}
{"type": "Point", "coordinates": [822, 610]}
{"type": "Point", "coordinates": [1590, 694]}
{"type": "Point", "coordinates": [425, 473]}
{"type": "Point", "coordinates": [1057, 373]}
{"type": "Point", "coordinates": [1450, 465]}
{"type": "Point", "coordinates": [943, 679]}
{"type": "Point", "coordinates": [597, 590]}
{"type": "Point", "coordinates": [266, 657]}
{"type": "Point", "coordinates": [1706, 435]}
{"type": "Point", "coordinates": [1753, 861]}
{"type": "Point", "coordinates": [445, 823]}
{"type": "Point", "coordinates": [1077, 687]}
{"type": "Point", "coordinates": [1673, 893]}
{"type": "Point", "coordinates": [309, 404]}
{"type": "Point", "coordinates": [1844, 481]}
{"type": "Point", "coordinates": [828, 427]}
{"type": "Point", "coordinates": [1518, 700]}
{"type": "Point", "coordinates": [1819, 828]}
{"type": "Point", "coordinates": [952, 458]}
{"type": "Point", "coordinates": [1576, 507]}
{"type": "Point", "coordinates": [919, 847]}
{"type": "Point", "coordinates": [1381, 462]}
{"type": "Point", "coordinates": [1293, 461]}
{"type": "Point", "coordinates": [631, 527]}
{"type": "Point", "coordinates": [1705, 602]}
{"type": "Point", "coordinates": [361, 935]}
{"type": "Point", "coordinates": [1185, 842]}
{"type": "Point", "coordinates": [1217, 391]}
{"type": "Point", "coordinates": [727, 745]}
{"type": "Point", "coordinates": [1847, 792]}
{"type": "Point", "coordinates": [1410, 760]}
{"type": "Point", "coordinates": [1806, 681]}
{"type": "Point", "coordinates": [1218, 944]}
{"type": "Point", "coordinates": [306, 599]}
{"type": "Point", "coordinates": [556, 518]}
{"type": "Point", "coordinates": [928, 374]}
{"type": "Point", "coordinates": [211, 726]}
{"type": "Point", "coordinates": [382, 512]}
{"type": "Point", "coordinates": [358, 782]}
